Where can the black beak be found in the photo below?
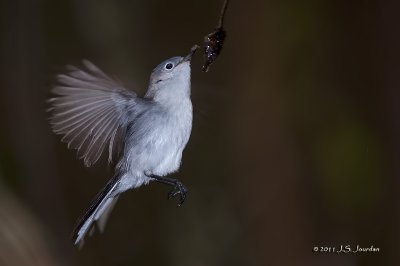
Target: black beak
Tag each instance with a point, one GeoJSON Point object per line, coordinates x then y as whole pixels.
{"type": "Point", "coordinates": [189, 56]}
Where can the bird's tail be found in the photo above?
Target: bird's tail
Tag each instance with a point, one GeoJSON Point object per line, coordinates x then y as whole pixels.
{"type": "Point", "coordinates": [97, 212]}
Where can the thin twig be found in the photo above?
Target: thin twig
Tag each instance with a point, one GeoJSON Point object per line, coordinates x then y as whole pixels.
{"type": "Point", "coordinates": [222, 15]}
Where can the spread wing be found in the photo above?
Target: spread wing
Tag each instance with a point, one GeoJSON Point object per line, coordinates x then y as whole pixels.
{"type": "Point", "coordinates": [91, 111]}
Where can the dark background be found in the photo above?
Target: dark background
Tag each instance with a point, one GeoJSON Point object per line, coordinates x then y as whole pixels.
{"type": "Point", "coordinates": [295, 141]}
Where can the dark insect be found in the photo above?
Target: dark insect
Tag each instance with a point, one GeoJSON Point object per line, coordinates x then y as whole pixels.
{"type": "Point", "coordinates": [214, 41]}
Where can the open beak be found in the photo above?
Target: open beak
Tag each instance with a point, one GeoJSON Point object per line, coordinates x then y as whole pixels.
{"type": "Point", "coordinates": [189, 56]}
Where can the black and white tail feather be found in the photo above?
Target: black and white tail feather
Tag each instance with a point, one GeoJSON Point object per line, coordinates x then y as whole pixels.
{"type": "Point", "coordinates": [97, 213]}
{"type": "Point", "coordinates": [90, 111]}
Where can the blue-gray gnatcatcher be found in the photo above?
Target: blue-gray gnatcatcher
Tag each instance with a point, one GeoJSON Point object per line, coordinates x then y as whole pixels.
{"type": "Point", "coordinates": [147, 135]}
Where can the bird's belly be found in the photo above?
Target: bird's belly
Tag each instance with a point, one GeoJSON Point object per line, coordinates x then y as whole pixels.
{"type": "Point", "coordinates": [158, 157]}
{"type": "Point", "coordinates": [159, 152]}
{"type": "Point", "coordinates": [168, 162]}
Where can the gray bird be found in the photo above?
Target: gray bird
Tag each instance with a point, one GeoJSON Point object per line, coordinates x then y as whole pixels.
{"type": "Point", "coordinates": [145, 136]}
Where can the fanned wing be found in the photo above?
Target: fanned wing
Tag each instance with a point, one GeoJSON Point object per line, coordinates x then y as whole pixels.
{"type": "Point", "coordinates": [91, 111]}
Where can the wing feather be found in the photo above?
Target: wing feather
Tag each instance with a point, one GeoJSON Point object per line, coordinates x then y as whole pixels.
{"type": "Point", "coordinates": [92, 111]}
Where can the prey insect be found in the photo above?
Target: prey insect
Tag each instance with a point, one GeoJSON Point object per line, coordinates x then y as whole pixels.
{"type": "Point", "coordinates": [214, 41]}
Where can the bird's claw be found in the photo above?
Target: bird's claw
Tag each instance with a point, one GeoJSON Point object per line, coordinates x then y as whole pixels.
{"type": "Point", "coordinates": [179, 189]}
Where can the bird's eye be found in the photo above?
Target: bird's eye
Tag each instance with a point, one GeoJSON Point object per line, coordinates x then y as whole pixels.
{"type": "Point", "coordinates": [169, 66]}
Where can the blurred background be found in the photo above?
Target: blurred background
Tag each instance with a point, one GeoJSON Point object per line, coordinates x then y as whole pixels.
{"type": "Point", "coordinates": [295, 142]}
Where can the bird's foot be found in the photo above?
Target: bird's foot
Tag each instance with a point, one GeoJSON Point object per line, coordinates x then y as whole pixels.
{"type": "Point", "coordinates": [179, 189]}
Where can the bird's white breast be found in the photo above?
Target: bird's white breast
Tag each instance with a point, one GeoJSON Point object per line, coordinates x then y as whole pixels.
{"type": "Point", "coordinates": [159, 144]}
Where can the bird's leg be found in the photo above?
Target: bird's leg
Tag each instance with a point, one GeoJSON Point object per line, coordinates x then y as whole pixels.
{"type": "Point", "coordinates": [179, 188]}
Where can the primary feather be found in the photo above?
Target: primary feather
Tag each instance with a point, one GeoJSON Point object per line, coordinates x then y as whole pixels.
{"type": "Point", "coordinates": [91, 111]}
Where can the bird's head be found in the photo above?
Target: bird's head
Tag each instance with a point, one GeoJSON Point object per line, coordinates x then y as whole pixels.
{"type": "Point", "coordinates": [171, 78]}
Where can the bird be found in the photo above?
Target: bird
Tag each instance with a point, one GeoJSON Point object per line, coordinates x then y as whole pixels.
{"type": "Point", "coordinates": [144, 136]}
